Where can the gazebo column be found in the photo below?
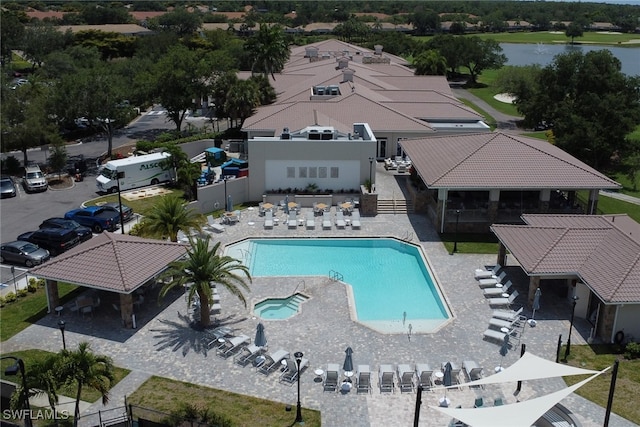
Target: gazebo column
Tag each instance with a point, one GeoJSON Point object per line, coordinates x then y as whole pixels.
{"type": "Point", "coordinates": [534, 283]}
{"type": "Point", "coordinates": [545, 197]}
{"type": "Point", "coordinates": [441, 206]}
{"type": "Point", "coordinates": [126, 310]}
{"type": "Point", "coordinates": [502, 255]}
{"type": "Point", "coordinates": [494, 201]}
{"type": "Point", "coordinates": [592, 206]}
{"type": "Point", "coordinates": [53, 297]}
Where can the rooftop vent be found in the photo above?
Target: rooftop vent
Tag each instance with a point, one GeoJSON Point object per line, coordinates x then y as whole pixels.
{"type": "Point", "coordinates": [347, 75]}
{"type": "Point", "coordinates": [311, 52]}
{"type": "Point", "coordinates": [378, 49]}
{"type": "Point", "coordinates": [343, 63]}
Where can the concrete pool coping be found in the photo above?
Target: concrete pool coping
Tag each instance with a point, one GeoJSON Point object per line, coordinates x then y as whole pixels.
{"type": "Point", "coordinates": [386, 326]}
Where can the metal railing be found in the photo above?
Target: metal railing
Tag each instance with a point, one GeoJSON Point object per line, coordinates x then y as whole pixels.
{"type": "Point", "coordinates": [336, 276]}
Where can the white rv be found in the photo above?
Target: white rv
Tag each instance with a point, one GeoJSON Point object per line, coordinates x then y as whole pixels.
{"type": "Point", "coordinates": [136, 171]}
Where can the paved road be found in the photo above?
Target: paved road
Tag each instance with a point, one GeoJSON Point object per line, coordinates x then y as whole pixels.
{"type": "Point", "coordinates": [620, 196]}
{"type": "Point", "coordinates": [505, 122]}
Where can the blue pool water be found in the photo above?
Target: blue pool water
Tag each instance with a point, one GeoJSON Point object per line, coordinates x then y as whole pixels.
{"type": "Point", "coordinates": [389, 277]}
{"type": "Point", "coordinates": [279, 308]}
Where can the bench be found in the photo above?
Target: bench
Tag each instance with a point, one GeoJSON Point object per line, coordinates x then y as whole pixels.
{"type": "Point", "coordinates": [556, 420]}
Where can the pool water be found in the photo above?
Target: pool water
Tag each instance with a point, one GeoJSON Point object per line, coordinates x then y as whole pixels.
{"type": "Point", "coordinates": [390, 279]}
{"type": "Point", "coordinates": [279, 308]}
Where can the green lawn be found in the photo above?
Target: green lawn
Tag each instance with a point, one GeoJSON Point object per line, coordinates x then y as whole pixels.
{"type": "Point", "coordinates": [598, 357]}
{"type": "Point", "coordinates": [23, 312]}
{"type": "Point", "coordinates": [139, 206]}
{"type": "Point", "coordinates": [551, 38]}
{"type": "Point", "coordinates": [167, 395]}
{"type": "Point", "coordinates": [29, 357]}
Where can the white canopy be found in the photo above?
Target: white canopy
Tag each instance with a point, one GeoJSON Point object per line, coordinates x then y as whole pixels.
{"type": "Point", "coordinates": [530, 367]}
{"type": "Point", "coordinates": [521, 414]}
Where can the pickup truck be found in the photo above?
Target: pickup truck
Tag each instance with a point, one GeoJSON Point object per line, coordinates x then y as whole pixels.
{"type": "Point", "coordinates": [95, 217]}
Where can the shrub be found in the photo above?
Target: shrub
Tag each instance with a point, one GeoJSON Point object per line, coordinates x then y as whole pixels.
{"type": "Point", "coordinates": [3, 302]}
{"type": "Point", "coordinates": [632, 350]}
{"type": "Point", "coordinates": [22, 293]}
{"type": "Point", "coordinates": [11, 165]}
{"type": "Point", "coordinates": [32, 287]}
{"type": "Point", "coordinates": [10, 297]}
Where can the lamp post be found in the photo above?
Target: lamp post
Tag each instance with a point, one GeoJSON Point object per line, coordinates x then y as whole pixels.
{"type": "Point", "coordinates": [61, 325]}
{"type": "Point", "coordinates": [225, 193]}
{"type": "Point", "coordinates": [13, 370]}
{"type": "Point", "coordinates": [573, 312]}
{"type": "Point", "coordinates": [455, 236]}
{"type": "Point", "coordinates": [298, 355]}
{"type": "Point", "coordinates": [370, 174]}
{"type": "Point", "coordinates": [119, 176]}
{"type": "Point", "coordinates": [13, 272]}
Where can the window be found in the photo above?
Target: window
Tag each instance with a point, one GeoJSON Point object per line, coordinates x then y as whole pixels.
{"type": "Point", "coordinates": [334, 172]}
{"type": "Point", "coordinates": [322, 172]}
{"type": "Point", "coordinates": [313, 172]}
{"type": "Point", "coordinates": [302, 172]}
{"type": "Point", "coordinates": [291, 172]}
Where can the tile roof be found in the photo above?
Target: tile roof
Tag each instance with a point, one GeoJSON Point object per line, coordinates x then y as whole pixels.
{"type": "Point", "coordinates": [130, 29]}
{"type": "Point", "coordinates": [603, 251]}
{"type": "Point", "coordinates": [112, 262]}
{"type": "Point", "coordinates": [499, 160]}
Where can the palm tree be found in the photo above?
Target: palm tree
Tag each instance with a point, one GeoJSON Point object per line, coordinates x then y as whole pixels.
{"type": "Point", "coordinates": [82, 368]}
{"type": "Point", "coordinates": [168, 216]}
{"type": "Point", "coordinates": [269, 50]}
{"type": "Point", "coordinates": [204, 268]}
{"type": "Point", "coordinates": [43, 379]}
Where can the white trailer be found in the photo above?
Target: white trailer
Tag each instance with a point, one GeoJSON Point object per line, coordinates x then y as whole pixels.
{"type": "Point", "coordinates": [135, 172]}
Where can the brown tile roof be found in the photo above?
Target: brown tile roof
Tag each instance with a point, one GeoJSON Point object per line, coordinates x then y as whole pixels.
{"type": "Point", "coordinates": [498, 160]}
{"type": "Point", "coordinates": [37, 14]}
{"type": "Point", "coordinates": [142, 16]}
{"type": "Point", "coordinates": [126, 29]}
{"type": "Point", "coordinates": [112, 262]}
{"type": "Point", "coordinates": [603, 251]}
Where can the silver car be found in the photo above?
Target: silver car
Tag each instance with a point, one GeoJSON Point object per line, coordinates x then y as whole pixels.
{"type": "Point", "coordinates": [7, 189]}
{"type": "Point", "coordinates": [34, 179]}
{"type": "Point", "coordinates": [20, 252]}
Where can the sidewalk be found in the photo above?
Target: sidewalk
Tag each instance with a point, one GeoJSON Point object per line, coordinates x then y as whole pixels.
{"type": "Point", "coordinates": [620, 196]}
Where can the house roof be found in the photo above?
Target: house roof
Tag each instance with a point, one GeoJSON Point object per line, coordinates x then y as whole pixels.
{"type": "Point", "coordinates": [126, 29]}
{"type": "Point", "coordinates": [603, 251]}
{"type": "Point", "coordinates": [112, 262]}
{"type": "Point", "coordinates": [499, 160]}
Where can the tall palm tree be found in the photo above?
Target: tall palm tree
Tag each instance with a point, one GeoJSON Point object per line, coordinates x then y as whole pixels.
{"type": "Point", "coordinates": [168, 216]}
{"type": "Point", "coordinates": [43, 379]}
{"type": "Point", "coordinates": [269, 50]}
{"type": "Point", "coordinates": [204, 268]}
{"type": "Point", "coordinates": [84, 368]}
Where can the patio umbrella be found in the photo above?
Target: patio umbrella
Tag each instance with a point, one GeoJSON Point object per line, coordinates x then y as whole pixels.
{"type": "Point", "coordinates": [348, 360]}
{"type": "Point", "coordinates": [536, 306]}
{"type": "Point", "coordinates": [261, 338]}
{"type": "Point", "coordinates": [504, 349]}
{"type": "Point", "coordinates": [229, 203]}
{"type": "Point", "coordinates": [446, 380]}
{"type": "Point", "coordinates": [286, 204]}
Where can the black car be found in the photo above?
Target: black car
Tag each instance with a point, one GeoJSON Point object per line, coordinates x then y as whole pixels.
{"type": "Point", "coordinates": [55, 240]}
{"type": "Point", "coordinates": [7, 187]}
{"type": "Point", "coordinates": [127, 212]}
{"type": "Point", "coordinates": [84, 233]}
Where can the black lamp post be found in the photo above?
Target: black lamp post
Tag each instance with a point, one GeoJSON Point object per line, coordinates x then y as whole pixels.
{"type": "Point", "coordinates": [119, 176]}
{"type": "Point", "coordinates": [61, 325]}
{"type": "Point", "coordinates": [370, 174]}
{"type": "Point", "coordinates": [13, 370]}
{"type": "Point", "coordinates": [573, 312]}
{"type": "Point", "coordinates": [13, 272]}
{"type": "Point", "coordinates": [455, 236]}
{"type": "Point", "coordinates": [298, 355]}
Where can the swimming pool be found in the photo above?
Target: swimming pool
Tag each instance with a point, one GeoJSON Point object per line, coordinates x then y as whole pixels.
{"type": "Point", "coordinates": [279, 308]}
{"type": "Point", "coordinates": [390, 279]}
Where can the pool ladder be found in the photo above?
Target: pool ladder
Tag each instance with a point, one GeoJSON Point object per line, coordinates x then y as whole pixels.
{"type": "Point", "coordinates": [304, 287]}
{"type": "Point", "coordinates": [336, 276]}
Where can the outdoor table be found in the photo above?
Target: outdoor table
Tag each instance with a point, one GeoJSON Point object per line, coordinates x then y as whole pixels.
{"type": "Point", "coordinates": [59, 310]}
{"type": "Point", "coordinates": [348, 374]}
{"type": "Point", "coordinates": [439, 376]}
{"type": "Point", "coordinates": [444, 402]}
{"type": "Point", "coordinates": [321, 206]}
{"type": "Point", "coordinates": [267, 206]}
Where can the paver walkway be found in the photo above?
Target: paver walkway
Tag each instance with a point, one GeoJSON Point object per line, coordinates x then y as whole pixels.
{"type": "Point", "coordinates": [165, 345]}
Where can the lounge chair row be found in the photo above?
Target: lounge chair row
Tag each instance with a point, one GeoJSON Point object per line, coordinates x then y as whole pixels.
{"type": "Point", "coordinates": [310, 222]}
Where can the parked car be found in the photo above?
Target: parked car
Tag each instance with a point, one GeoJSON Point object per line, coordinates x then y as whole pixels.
{"type": "Point", "coordinates": [23, 253]}
{"type": "Point", "coordinates": [55, 240]}
{"type": "Point", "coordinates": [84, 233]}
{"type": "Point", "coordinates": [127, 212]}
{"type": "Point", "coordinates": [95, 217]}
{"type": "Point", "coordinates": [34, 179]}
{"type": "Point", "coordinates": [7, 187]}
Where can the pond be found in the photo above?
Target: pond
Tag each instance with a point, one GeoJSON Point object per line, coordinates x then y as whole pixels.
{"type": "Point", "coordinates": [543, 54]}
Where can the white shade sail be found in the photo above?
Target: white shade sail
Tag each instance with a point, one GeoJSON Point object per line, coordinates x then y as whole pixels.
{"type": "Point", "coordinates": [521, 414]}
{"type": "Point", "coordinates": [530, 367]}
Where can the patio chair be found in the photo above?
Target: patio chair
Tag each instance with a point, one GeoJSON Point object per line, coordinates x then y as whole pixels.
{"type": "Point", "coordinates": [311, 221]}
{"type": "Point", "coordinates": [508, 314]}
{"type": "Point", "coordinates": [504, 301]}
{"type": "Point", "coordinates": [211, 338]}
{"type": "Point", "coordinates": [424, 372]}
{"type": "Point", "coordinates": [487, 283]}
{"type": "Point", "coordinates": [290, 374]}
{"type": "Point", "coordinates": [479, 403]}
{"type": "Point", "coordinates": [472, 370]}
{"type": "Point", "coordinates": [498, 336]}
{"type": "Point", "coordinates": [498, 401]}
{"type": "Point", "coordinates": [230, 346]}
{"type": "Point", "coordinates": [455, 372]}
{"type": "Point", "coordinates": [405, 378]}
{"type": "Point", "coordinates": [214, 225]}
{"type": "Point", "coordinates": [248, 354]}
{"type": "Point", "coordinates": [501, 323]}
{"type": "Point", "coordinates": [272, 361]}
{"type": "Point", "coordinates": [268, 219]}
{"type": "Point", "coordinates": [326, 221]}
{"type": "Point", "coordinates": [363, 379]}
{"type": "Point", "coordinates": [292, 222]}
{"type": "Point", "coordinates": [496, 291]}
{"type": "Point", "coordinates": [340, 222]}
{"type": "Point", "coordinates": [487, 274]}
{"type": "Point", "coordinates": [387, 377]}
{"type": "Point", "coordinates": [355, 219]}
{"type": "Point", "coordinates": [331, 377]}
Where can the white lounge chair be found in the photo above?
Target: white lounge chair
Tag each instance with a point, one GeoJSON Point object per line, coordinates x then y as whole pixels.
{"type": "Point", "coordinates": [405, 378]}
{"type": "Point", "coordinates": [504, 301]}
{"type": "Point", "coordinates": [268, 219]}
{"type": "Point", "coordinates": [292, 222]}
{"type": "Point", "coordinates": [248, 354]}
{"type": "Point", "coordinates": [424, 372]}
{"type": "Point", "coordinates": [272, 361]}
{"type": "Point", "coordinates": [311, 221]}
{"type": "Point", "coordinates": [290, 374]}
{"type": "Point", "coordinates": [484, 283]}
{"type": "Point", "coordinates": [355, 219]}
{"type": "Point", "coordinates": [326, 221]}
{"type": "Point", "coordinates": [340, 222]}
{"type": "Point", "coordinates": [387, 377]}
{"type": "Point", "coordinates": [497, 335]}
{"type": "Point", "coordinates": [508, 314]}
{"type": "Point", "coordinates": [472, 370]}
{"type": "Point", "coordinates": [331, 377]}
{"type": "Point", "coordinates": [497, 291]}
{"type": "Point", "coordinates": [501, 323]}
{"type": "Point", "coordinates": [232, 345]}
{"type": "Point", "coordinates": [487, 274]}
{"type": "Point", "coordinates": [363, 378]}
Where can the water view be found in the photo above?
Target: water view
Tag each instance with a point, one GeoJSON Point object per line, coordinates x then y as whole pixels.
{"type": "Point", "coordinates": [542, 54]}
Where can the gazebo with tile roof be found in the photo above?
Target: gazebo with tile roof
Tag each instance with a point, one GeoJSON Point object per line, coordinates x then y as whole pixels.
{"type": "Point", "coordinates": [117, 263]}
{"type": "Point", "coordinates": [597, 258]}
